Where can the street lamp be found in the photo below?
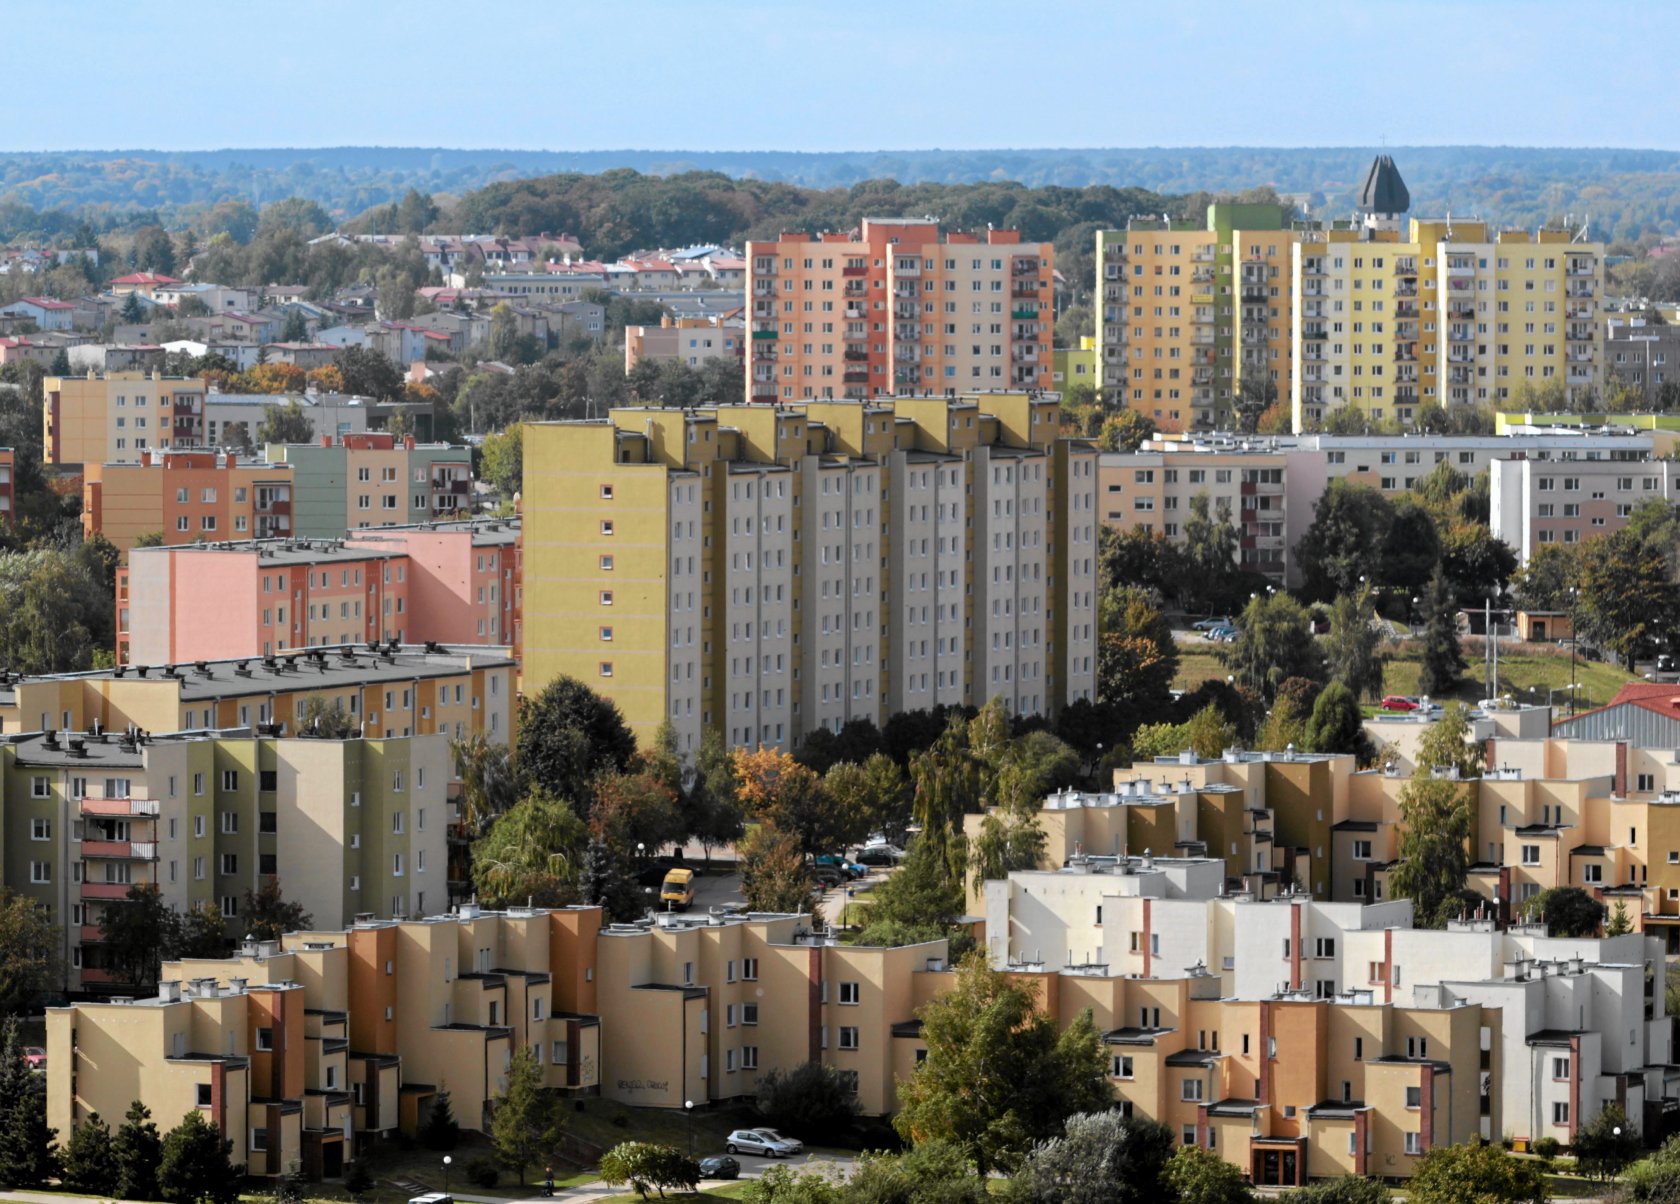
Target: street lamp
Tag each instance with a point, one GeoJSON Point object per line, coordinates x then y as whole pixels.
{"type": "Point", "coordinates": [1556, 690]}
{"type": "Point", "coordinates": [446, 1161]}
{"type": "Point", "coordinates": [1574, 643]}
{"type": "Point", "coordinates": [688, 1106]}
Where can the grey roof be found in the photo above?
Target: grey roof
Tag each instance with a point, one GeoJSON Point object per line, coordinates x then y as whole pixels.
{"type": "Point", "coordinates": [1384, 191]}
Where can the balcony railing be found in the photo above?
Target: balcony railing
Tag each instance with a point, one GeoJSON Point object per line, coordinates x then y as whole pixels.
{"type": "Point", "coordinates": [124, 850]}
{"type": "Point", "coordinates": [123, 807]}
{"type": "Point", "coordinates": [107, 891]}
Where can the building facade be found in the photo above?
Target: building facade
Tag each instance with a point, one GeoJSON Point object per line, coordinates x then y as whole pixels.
{"type": "Point", "coordinates": [770, 570]}
{"type": "Point", "coordinates": [897, 306]}
{"type": "Point", "coordinates": [1537, 502]}
{"type": "Point", "coordinates": [112, 419]}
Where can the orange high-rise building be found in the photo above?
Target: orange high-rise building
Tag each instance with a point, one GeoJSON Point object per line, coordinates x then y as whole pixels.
{"type": "Point", "coordinates": [898, 306]}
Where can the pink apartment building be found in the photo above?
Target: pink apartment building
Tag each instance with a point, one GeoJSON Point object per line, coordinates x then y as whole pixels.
{"type": "Point", "coordinates": [449, 582]}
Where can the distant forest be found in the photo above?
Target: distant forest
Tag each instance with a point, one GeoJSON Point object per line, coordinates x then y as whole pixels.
{"type": "Point", "coordinates": [1627, 193]}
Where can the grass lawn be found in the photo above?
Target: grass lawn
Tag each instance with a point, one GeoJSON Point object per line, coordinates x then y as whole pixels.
{"type": "Point", "coordinates": [734, 1191]}
{"type": "Point", "coordinates": [1526, 674]}
{"type": "Point", "coordinates": [607, 1123]}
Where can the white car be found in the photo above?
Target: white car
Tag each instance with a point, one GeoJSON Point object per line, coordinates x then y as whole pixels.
{"type": "Point", "coordinates": [766, 1142]}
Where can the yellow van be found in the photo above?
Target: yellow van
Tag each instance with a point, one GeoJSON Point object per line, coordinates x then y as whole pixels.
{"type": "Point", "coordinates": [678, 891]}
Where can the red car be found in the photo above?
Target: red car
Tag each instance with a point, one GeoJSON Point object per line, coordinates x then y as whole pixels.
{"type": "Point", "coordinates": [34, 1057]}
{"type": "Point", "coordinates": [1399, 702]}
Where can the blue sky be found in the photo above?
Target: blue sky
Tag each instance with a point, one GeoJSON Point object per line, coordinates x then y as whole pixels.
{"type": "Point", "coordinates": [858, 75]}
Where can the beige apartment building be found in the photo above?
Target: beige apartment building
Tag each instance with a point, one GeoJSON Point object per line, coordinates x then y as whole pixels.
{"type": "Point", "coordinates": [770, 570]}
{"type": "Point", "coordinates": [691, 341]}
{"type": "Point", "coordinates": [112, 419]}
{"type": "Point", "coordinates": [898, 306]}
{"type": "Point", "coordinates": [1537, 502]}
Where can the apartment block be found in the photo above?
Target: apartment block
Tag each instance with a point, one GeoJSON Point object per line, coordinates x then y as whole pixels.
{"type": "Point", "coordinates": [897, 306]}
{"type": "Point", "coordinates": [691, 341]}
{"type": "Point", "coordinates": [1154, 490]}
{"type": "Point", "coordinates": [374, 479]}
{"type": "Point", "coordinates": [1452, 314]}
{"type": "Point", "coordinates": [186, 496]}
{"type": "Point", "coordinates": [1642, 356]}
{"type": "Point", "coordinates": [392, 690]}
{"type": "Point", "coordinates": [350, 827]}
{"type": "Point", "coordinates": [443, 583]}
{"type": "Point", "coordinates": [770, 570]}
{"type": "Point", "coordinates": [112, 419]}
{"type": "Point", "coordinates": [1537, 502]}
{"type": "Point", "coordinates": [1187, 309]}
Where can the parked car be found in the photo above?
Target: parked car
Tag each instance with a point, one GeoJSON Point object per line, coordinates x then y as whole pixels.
{"type": "Point", "coordinates": [880, 854]}
{"type": "Point", "coordinates": [1221, 632]}
{"type": "Point", "coordinates": [1666, 663]}
{"type": "Point", "coordinates": [827, 877]}
{"type": "Point", "coordinates": [34, 1057]}
{"type": "Point", "coordinates": [765, 1142]}
{"type": "Point", "coordinates": [1210, 624]}
{"type": "Point", "coordinates": [1399, 702]}
{"type": "Point", "coordinates": [849, 868]}
{"type": "Point", "coordinates": [720, 1166]}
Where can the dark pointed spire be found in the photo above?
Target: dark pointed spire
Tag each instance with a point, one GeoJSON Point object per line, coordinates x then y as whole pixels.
{"type": "Point", "coordinates": [1384, 191]}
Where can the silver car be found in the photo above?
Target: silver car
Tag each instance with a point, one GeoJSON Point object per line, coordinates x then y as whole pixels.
{"type": "Point", "coordinates": [766, 1142]}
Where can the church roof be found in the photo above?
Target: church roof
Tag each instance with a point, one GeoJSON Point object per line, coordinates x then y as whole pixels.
{"type": "Point", "coordinates": [1384, 191]}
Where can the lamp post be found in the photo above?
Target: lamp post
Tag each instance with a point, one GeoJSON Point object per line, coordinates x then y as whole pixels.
{"type": "Point", "coordinates": [1574, 643]}
{"type": "Point", "coordinates": [688, 1107]}
{"type": "Point", "coordinates": [1556, 690]}
{"type": "Point", "coordinates": [446, 1161]}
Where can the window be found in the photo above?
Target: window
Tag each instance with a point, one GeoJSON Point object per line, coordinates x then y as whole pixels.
{"type": "Point", "coordinates": [1362, 850]}
{"type": "Point", "coordinates": [203, 1094]}
{"type": "Point", "coordinates": [1121, 1067]}
{"type": "Point", "coordinates": [1560, 1068]}
{"type": "Point", "coordinates": [849, 992]}
{"type": "Point", "coordinates": [1190, 1089]}
{"type": "Point", "coordinates": [265, 1038]}
{"type": "Point", "coordinates": [40, 829]}
{"type": "Point", "coordinates": [1414, 1097]}
{"type": "Point", "coordinates": [749, 1057]}
{"type": "Point", "coordinates": [1531, 854]}
{"type": "Point", "coordinates": [1324, 947]}
{"type": "Point", "coordinates": [848, 1037]}
{"type": "Point", "coordinates": [749, 969]}
{"type": "Point", "coordinates": [39, 786]}
{"type": "Point", "coordinates": [1560, 1113]}
{"type": "Point", "coordinates": [40, 872]}
{"type": "Point", "coordinates": [230, 823]}
{"type": "Point", "coordinates": [230, 779]}
{"type": "Point", "coordinates": [230, 863]}
{"type": "Point", "coordinates": [749, 1013]}
{"type": "Point", "coordinates": [1414, 1143]}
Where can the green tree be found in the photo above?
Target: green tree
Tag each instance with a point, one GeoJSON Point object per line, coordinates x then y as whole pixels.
{"type": "Point", "coordinates": [1475, 1174]}
{"type": "Point", "coordinates": [567, 735]}
{"type": "Point", "coordinates": [918, 902]}
{"type": "Point", "coordinates": [604, 881]}
{"type": "Point", "coordinates": [88, 1164]}
{"type": "Point", "coordinates": [1544, 583]}
{"type": "Point", "coordinates": [1568, 911]}
{"type": "Point", "coordinates": [136, 1154]}
{"type": "Point", "coordinates": [197, 1165]}
{"type": "Point", "coordinates": [1346, 540]}
{"type": "Point", "coordinates": [531, 851]}
{"type": "Point", "coordinates": [268, 915]}
{"type": "Point", "coordinates": [32, 965]}
{"type": "Point", "coordinates": [947, 782]}
{"type": "Point", "coordinates": [1620, 922]}
{"type": "Point", "coordinates": [808, 1101]}
{"type": "Point", "coordinates": [712, 801]}
{"type": "Point", "coordinates": [1257, 394]}
{"type": "Point", "coordinates": [1443, 657]}
{"type": "Point", "coordinates": [1433, 862]}
{"type": "Point", "coordinates": [489, 785]}
{"type": "Point", "coordinates": [998, 1076]}
{"type": "Point", "coordinates": [1352, 646]}
{"type": "Point", "coordinates": [288, 423]}
{"type": "Point", "coordinates": [526, 1123]}
{"type": "Point", "coordinates": [367, 373]}
{"type": "Point", "coordinates": [1208, 562]}
{"type": "Point", "coordinates": [26, 1142]}
{"type": "Point", "coordinates": [934, 1172]}
{"type": "Point", "coordinates": [874, 791]}
{"type": "Point", "coordinates": [1274, 643]}
{"type": "Point", "coordinates": [1628, 602]}
{"type": "Point", "coordinates": [503, 459]}
{"type": "Point", "coordinates": [1200, 1176]}
{"type": "Point", "coordinates": [1475, 563]}
{"type": "Point", "coordinates": [133, 933]}
{"type": "Point", "coordinates": [1137, 657]}
{"type": "Point", "coordinates": [1337, 725]}
{"type": "Point", "coordinates": [776, 789]}
{"type": "Point", "coordinates": [643, 1164]}
{"type": "Point", "coordinates": [440, 1131]}
{"type": "Point", "coordinates": [1607, 1143]}
{"type": "Point", "coordinates": [1102, 1158]}
{"type": "Point", "coordinates": [774, 876]}
{"type": "Point", "coordinates": [1125, 430]}
{"type": "Point", "coordinates": [200, 931]}
{"type": "Point", "coordinates": [296, 328]}
{"type": "Point", "coordinates": [635, 809]}
{"type": "Point", "coordinates": [1654, 1179]}
{"type": "Point", "coordinates": [1411, 547]}
{"type": "Point", "coordinates": [323, 720]}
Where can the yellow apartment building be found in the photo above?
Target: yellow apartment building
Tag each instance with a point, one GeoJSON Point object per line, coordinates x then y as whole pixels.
{"type": "Point", "coordinates": [112, 419]}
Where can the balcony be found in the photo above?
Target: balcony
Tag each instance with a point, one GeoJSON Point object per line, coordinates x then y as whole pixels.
{"type": "Point", "coordinates": [906, 290]}
{"type": "Point", "coordinates": [1405, 310]}
{"type": "Point", "coordinates": [764, 288]}
{"type": "Point", "coordinates": [123, 808]}
{"type": "Point", "coordinates": [855, 354]}
{"type": "Point", "coordinates": [107, 891]}
{"type": "Point", "coordinates": [1202, 276]}
{"type": "Point", "coordinates": [907, 309]}
{"type": "Point", "coordinates": [1024, 315]}
{"type": "Point", "coordinates": [853, 273]}
{"type": "Point", "coordinates": [764, 309]}
{"type": "Point", "coordinates": [856, 312]}
{"type": "Point", "coordinates": [855, 376]}
{"type": "Point", "coordinates": [1253, 293]}
{"type": "Point", "coordinates": [1578, 289]}
{"type": "Point", "coordinates": [907, 267]}
{"type": "Point", "coordinates": [1202, 338]}
{"type": "Point", "coordinates": [122, 850]}
{"type": "Point", "coordinates": [763, 397]}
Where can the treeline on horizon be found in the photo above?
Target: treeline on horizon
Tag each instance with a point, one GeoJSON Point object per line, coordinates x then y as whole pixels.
{"type": "Point", "coordinates": [1626, 193]}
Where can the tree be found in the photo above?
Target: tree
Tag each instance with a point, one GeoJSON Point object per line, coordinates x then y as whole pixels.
{"type": "Point", "coordinates": [1628, 603]}
{"type": "Point", "coordinates": [1411, 546]}
{"type": "Point", "coordinates": [367, 373]}
{"type": "Point", "coordinates": [809, 1101]}
{"type": "Point", "coordinates": [1620, 922]}
{"type": "Point", "coordinates": [289, 423]}
{"type": "Point", "coordinates": [32, 965]}
{"type": "Point", "coordinates": [774, 876]}
{"type": "Point", "coordinates": [88, 1164]}
{"type": "Point", "coordinates": [1345, 541]}
{"type": "Point", "coordinates": [1208, 562]}
{"type": "Point", "coordinates": [54, 612]}
{"type": "Point", "coordinates": [567, 735]}
{"type": "Point", "coordinates": [1103, 1158]}
{"type": "Point", "coordinates": [918, 902]}
{"type": "Point", "coordinates": [1274, 642]}
{"type": "Point", "coordinates": [133, 932]}
{"type": "Point", "coordinates": [198, 932]}
{"type": "Point", "coordinates": [131, 311]}
{"type": "Point", "coordinates": [776, 789]}
{"type": "Point", "coordinates": [1201, 1176]}
{"type": "Point", "coordinates": [1433, 863]}
{"type": "Point", "coordinates": [1474, 1174]}
{"type": "Point", "coordinates": [1137, 657]}
{"type": "Point", "coordinates": [1256, 395]}
{"type": "Point", "coordinates": [1125, 430]}
{"type": "Point", "coordinates": [643, 1164]}
{"type": "Point", "coordinates": [874, 791]}
{"type": "Point", "coordinates": [269, 915]}
{"type": "Point", "coordinates": [635, 811]}
{"type": "Point", "coordinates": [1607, 1143]}
{"type": "Point", "coordinates": [26, 1153]}
{"type": "Point", "coordinates": [502, 459]}
{"type": "Point", "coordinates": [530, 852]}
{"type": "Point", "coordinates": [1443, 656]}
{"type": "Point", "coordinates": [1568, 911]}
{"type": "Point", "coordinates": [856, 741]}
{"type": "Point", "coordinates": [526, 1123]}
{"type": "Point", "coordinates": [1351, 647]}
{"type": "Point", "coordinates": [136, 1154]}
{"type": "Point", "coordinates": [1475, 563]}
{"type": "Point", "coordinates": [999, 1075]}
{"type": "Point", "coordinates": [323, 720]}
{"type": "Point", "coordinates": [947, 784]}
{"type": "Point", "coordinates": [934, 1172]}
{"type": "Point", "coordinates": [712, 802]}
{"type": "Point", "coordinates": [603, 881]}
{"type": "Point", "coordinates": [197, 1165]}
{"type": "Point", "coordinates": [439, 1131]}
{"type": "Point", "coordinates": [1337, 725]}
{"type": "Point", "coordinates": [488, 784]}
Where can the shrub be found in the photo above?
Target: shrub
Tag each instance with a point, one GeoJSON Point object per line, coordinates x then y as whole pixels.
{"type": "Point", "coordinates": [642, 1165]}
{"type": "Point", "coordinates": [1546, 1148]}
{"type": "Point", "coordinates": [483, 1172]}
{"type": "Point", "coordinates": [808, 1101]}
